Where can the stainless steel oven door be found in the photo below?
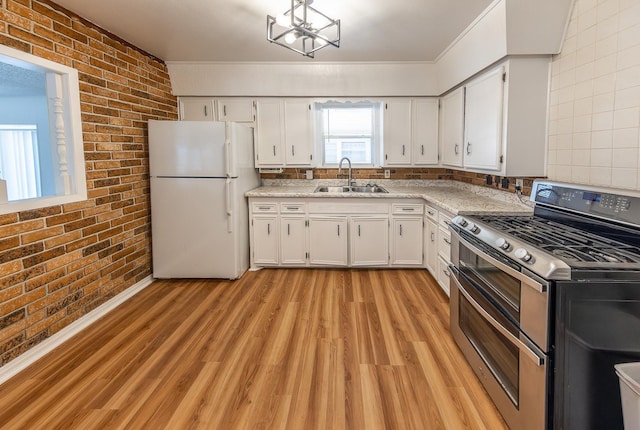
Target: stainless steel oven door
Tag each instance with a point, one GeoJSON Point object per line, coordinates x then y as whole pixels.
{"type": "Point", "coordinates": [522, 296]}
{"type": "Point", "coordinates": [511, 368]}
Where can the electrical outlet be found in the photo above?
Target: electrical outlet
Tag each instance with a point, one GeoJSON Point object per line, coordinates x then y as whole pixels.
{"type": "Point", "coordinates": [387, 174]}
{"type": "Point", "coordinates": [519, 183]}
{"type": "Point", "coordinates": [309, 174]}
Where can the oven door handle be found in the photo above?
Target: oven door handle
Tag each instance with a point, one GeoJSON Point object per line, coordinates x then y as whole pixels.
{"type": "Point", "coordinates": [541, 288]}
{"type": "Point", "coordinates": [539, 361]}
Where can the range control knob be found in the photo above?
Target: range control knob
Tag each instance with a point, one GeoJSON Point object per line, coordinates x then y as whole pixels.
{"type": "Point", "coordinates": [523, 255]}
{"type": "Point", "coordinates": [462, 222]}
{"type": "Point", "coordinates": [474, 228]}
{"type": "Point", "coordinates": [502, 243]}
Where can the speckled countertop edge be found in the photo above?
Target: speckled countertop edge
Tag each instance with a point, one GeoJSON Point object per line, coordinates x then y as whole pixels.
{"type": "Point", "coordinates": [452, 196]}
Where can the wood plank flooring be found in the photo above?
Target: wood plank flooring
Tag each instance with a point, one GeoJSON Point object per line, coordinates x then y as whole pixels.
{"type": "Point", "coordinates": [278, 349]}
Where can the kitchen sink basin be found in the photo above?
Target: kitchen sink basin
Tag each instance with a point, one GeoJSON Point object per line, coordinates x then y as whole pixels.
{"type": "Point", "coordinates": [362, 189]}
{"type": "Point", "coordinates": [368, 189]}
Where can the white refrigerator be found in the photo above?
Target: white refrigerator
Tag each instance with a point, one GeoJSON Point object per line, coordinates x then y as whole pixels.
{"type": "Point", "coordinates": [199, 216]}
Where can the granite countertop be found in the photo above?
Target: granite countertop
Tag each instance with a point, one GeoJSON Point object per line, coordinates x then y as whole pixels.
{"type": "Point", "coordinates": [452, 196]}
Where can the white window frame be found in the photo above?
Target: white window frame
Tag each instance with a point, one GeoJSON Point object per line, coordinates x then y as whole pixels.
{"type": "Point", "coordinates": [65, 124]}
{"type": "Point", "coordinates": [347, 104]}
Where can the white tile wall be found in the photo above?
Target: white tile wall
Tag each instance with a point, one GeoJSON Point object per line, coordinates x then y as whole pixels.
{"type": "Point", "coordinates": [594, 112]}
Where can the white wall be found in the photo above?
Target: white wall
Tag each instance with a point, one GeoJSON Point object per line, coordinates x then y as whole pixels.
{"type": "Point", "coordinates": [308, 79]}
{"type": "Point", "coordinates": [594, 127]}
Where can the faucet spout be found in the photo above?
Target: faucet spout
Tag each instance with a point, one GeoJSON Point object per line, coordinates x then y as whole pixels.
{"type": "Point", "coordinates": [349, 184]}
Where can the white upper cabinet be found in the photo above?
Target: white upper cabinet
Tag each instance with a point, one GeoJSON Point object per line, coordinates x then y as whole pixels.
{"type": "Point", "coordinates": [269, 133]}
{"type": "Point", "coordinates": [397, 132]}
{"type": "Point", "coordinates": [452, 127]}
{"type": "Point", "coordinates": [237, 110]}
{"type": "Point", "coordinates": [298, 135]}
{"type": "Point", "coordinates": [197, 109]}
{"type": "Point", "coordinates": [284, 133]}
{"type": "Point", "coordinates": [502, 115]}
{"type": "Point", "coordinates": [483, 121]}
{"type": "Point", "coordinates": [424, 131]}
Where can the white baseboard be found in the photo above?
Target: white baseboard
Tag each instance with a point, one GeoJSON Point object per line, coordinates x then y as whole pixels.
{"type": "Point", "coordinates": [20, 363]}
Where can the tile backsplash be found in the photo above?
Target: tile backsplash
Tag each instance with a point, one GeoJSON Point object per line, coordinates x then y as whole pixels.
{"type": "Point", "coordinates": [594, 122]}
{"type": "Point", "coordinates": [497, 182]}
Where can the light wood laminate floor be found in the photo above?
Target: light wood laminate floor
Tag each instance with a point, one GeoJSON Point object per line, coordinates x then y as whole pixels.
{"type": "Point", "coordinates": [278, 349]}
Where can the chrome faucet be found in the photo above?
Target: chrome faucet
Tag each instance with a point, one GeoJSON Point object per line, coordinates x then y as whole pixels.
{"type": "Point", "coordinates": [350, 183]}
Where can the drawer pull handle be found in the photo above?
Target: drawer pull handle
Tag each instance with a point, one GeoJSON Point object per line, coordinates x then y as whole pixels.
{"type": "Point", "coordinates": [433, 237]}
{"type": "Point", "coordinates": [408, 209]}
{"type": "Point", "coordinates": [447, 240]}
{"type": "Point", "coordinates": [289, 208]}
{"type": "Point", "coordinates": [264, 208]}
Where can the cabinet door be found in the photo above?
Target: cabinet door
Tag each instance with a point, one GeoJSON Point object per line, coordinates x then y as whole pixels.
{"type": "Point", "coordinates": [444, 275]}
{"type": "Point", "coordinates": [431, 246]}
{"type": "Point", "coordinates": [269, 133]}
{"type": "Point", "coordinates": [369, 241]}
{"type": "Point", "coordinates": [483, 121]}
{"type": "Point", "coordinates": [238, 110]}
{"type": "Point", "coordinates": [328, 240]}
{"type": "Point", "coordinates": [452, 127]}
{"type": "Point", "coordinates": [293, 244]}
{"type": "Point", "coordinates": [298, 125]}
{"type": "Point", "coordinates": [424, 136]}
{"type": "Point", "coordinates": [197, 109]}
{"type": "Point", "coordinates": [406, 241]}
{"type": "Point", "coordinates": [397, 133]}
{"type": "Point", "coordinates": [265, 240]}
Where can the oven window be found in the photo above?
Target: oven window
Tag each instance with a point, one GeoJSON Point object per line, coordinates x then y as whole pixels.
{"type": "Point", "coordinates": [500, 356]}
{"type": "Point", "coordinates": [501, 287]}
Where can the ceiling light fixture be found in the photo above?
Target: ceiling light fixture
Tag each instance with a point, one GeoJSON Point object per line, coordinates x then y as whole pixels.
{"type": "Point", "coordinates": [303, 29]}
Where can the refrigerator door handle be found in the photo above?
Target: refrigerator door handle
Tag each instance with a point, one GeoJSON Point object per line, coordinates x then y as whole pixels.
{"type": "Point", "coordinates": [227, 160]}
{"type": "Point", "coordinates": [227, 186]}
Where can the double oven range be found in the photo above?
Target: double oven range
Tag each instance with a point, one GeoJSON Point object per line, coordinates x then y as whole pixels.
{"type": "Point", "coordinates": [543, 306]}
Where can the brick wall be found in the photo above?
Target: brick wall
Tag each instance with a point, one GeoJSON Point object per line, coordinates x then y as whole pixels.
{"type": "Point", "coordinates": [59, 263]}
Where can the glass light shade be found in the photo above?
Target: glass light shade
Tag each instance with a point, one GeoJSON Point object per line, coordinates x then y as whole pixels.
{"type": "Point", "coordinates": [283, 20]}
{"type": "Point", "coordinates": [290, 38]}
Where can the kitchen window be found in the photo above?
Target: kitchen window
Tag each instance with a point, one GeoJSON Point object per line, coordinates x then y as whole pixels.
{"type": "Point", "coordinates": [349, 129]}
{"type": "Point", "coordinates": [19, 161]}
{"type": "Point", "coordinates": [41, 148]}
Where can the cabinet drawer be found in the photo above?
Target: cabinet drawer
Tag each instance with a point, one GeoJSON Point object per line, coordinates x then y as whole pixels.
{"type": "Point", "coordinates": [431, 213]}
{"type": "Point", "coordinates": [406, 209]}
{"type": "Point", "coordinates": [264, 208]}
{"type": "Point", "coordinates": [444, 219]}
{"type": "Point", "coordinates": [444, 243]}
{"type": "Point", "coordinates": [292, 208]}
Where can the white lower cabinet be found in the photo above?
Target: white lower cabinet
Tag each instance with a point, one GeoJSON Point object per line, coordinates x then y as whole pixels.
{"type": "Point", "coordinates": [353, 232]}
{"type": "Point", "coordinates": [328, 240]}
{"type": "Point", "coordinates": [443, 274]}
{"type": "Point", "coordinates": [406, 234]}
{"type": "Point", "coordinates": [265, 240]}
{"type": "Point", "coordinates": [293, 240]}
{"type": "Point", "coordinates": [431, 238]}
{"type": "Point", "coordinates": [369, 241]}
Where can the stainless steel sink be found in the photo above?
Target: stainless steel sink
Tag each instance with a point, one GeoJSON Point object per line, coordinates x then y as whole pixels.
{"type": "Point", "coordinates": [362, 189]}
{"type": "Point", "coordinates": [369, 189]}
{"type": "Point", "coordinates": [328, 189]}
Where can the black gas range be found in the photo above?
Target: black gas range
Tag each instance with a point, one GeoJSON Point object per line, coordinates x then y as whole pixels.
{"type": "Point", "coordinates": [543, 306]}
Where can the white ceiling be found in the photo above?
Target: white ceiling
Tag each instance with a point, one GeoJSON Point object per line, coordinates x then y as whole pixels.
{"type": "Point", "coordinates": [235, 30]}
